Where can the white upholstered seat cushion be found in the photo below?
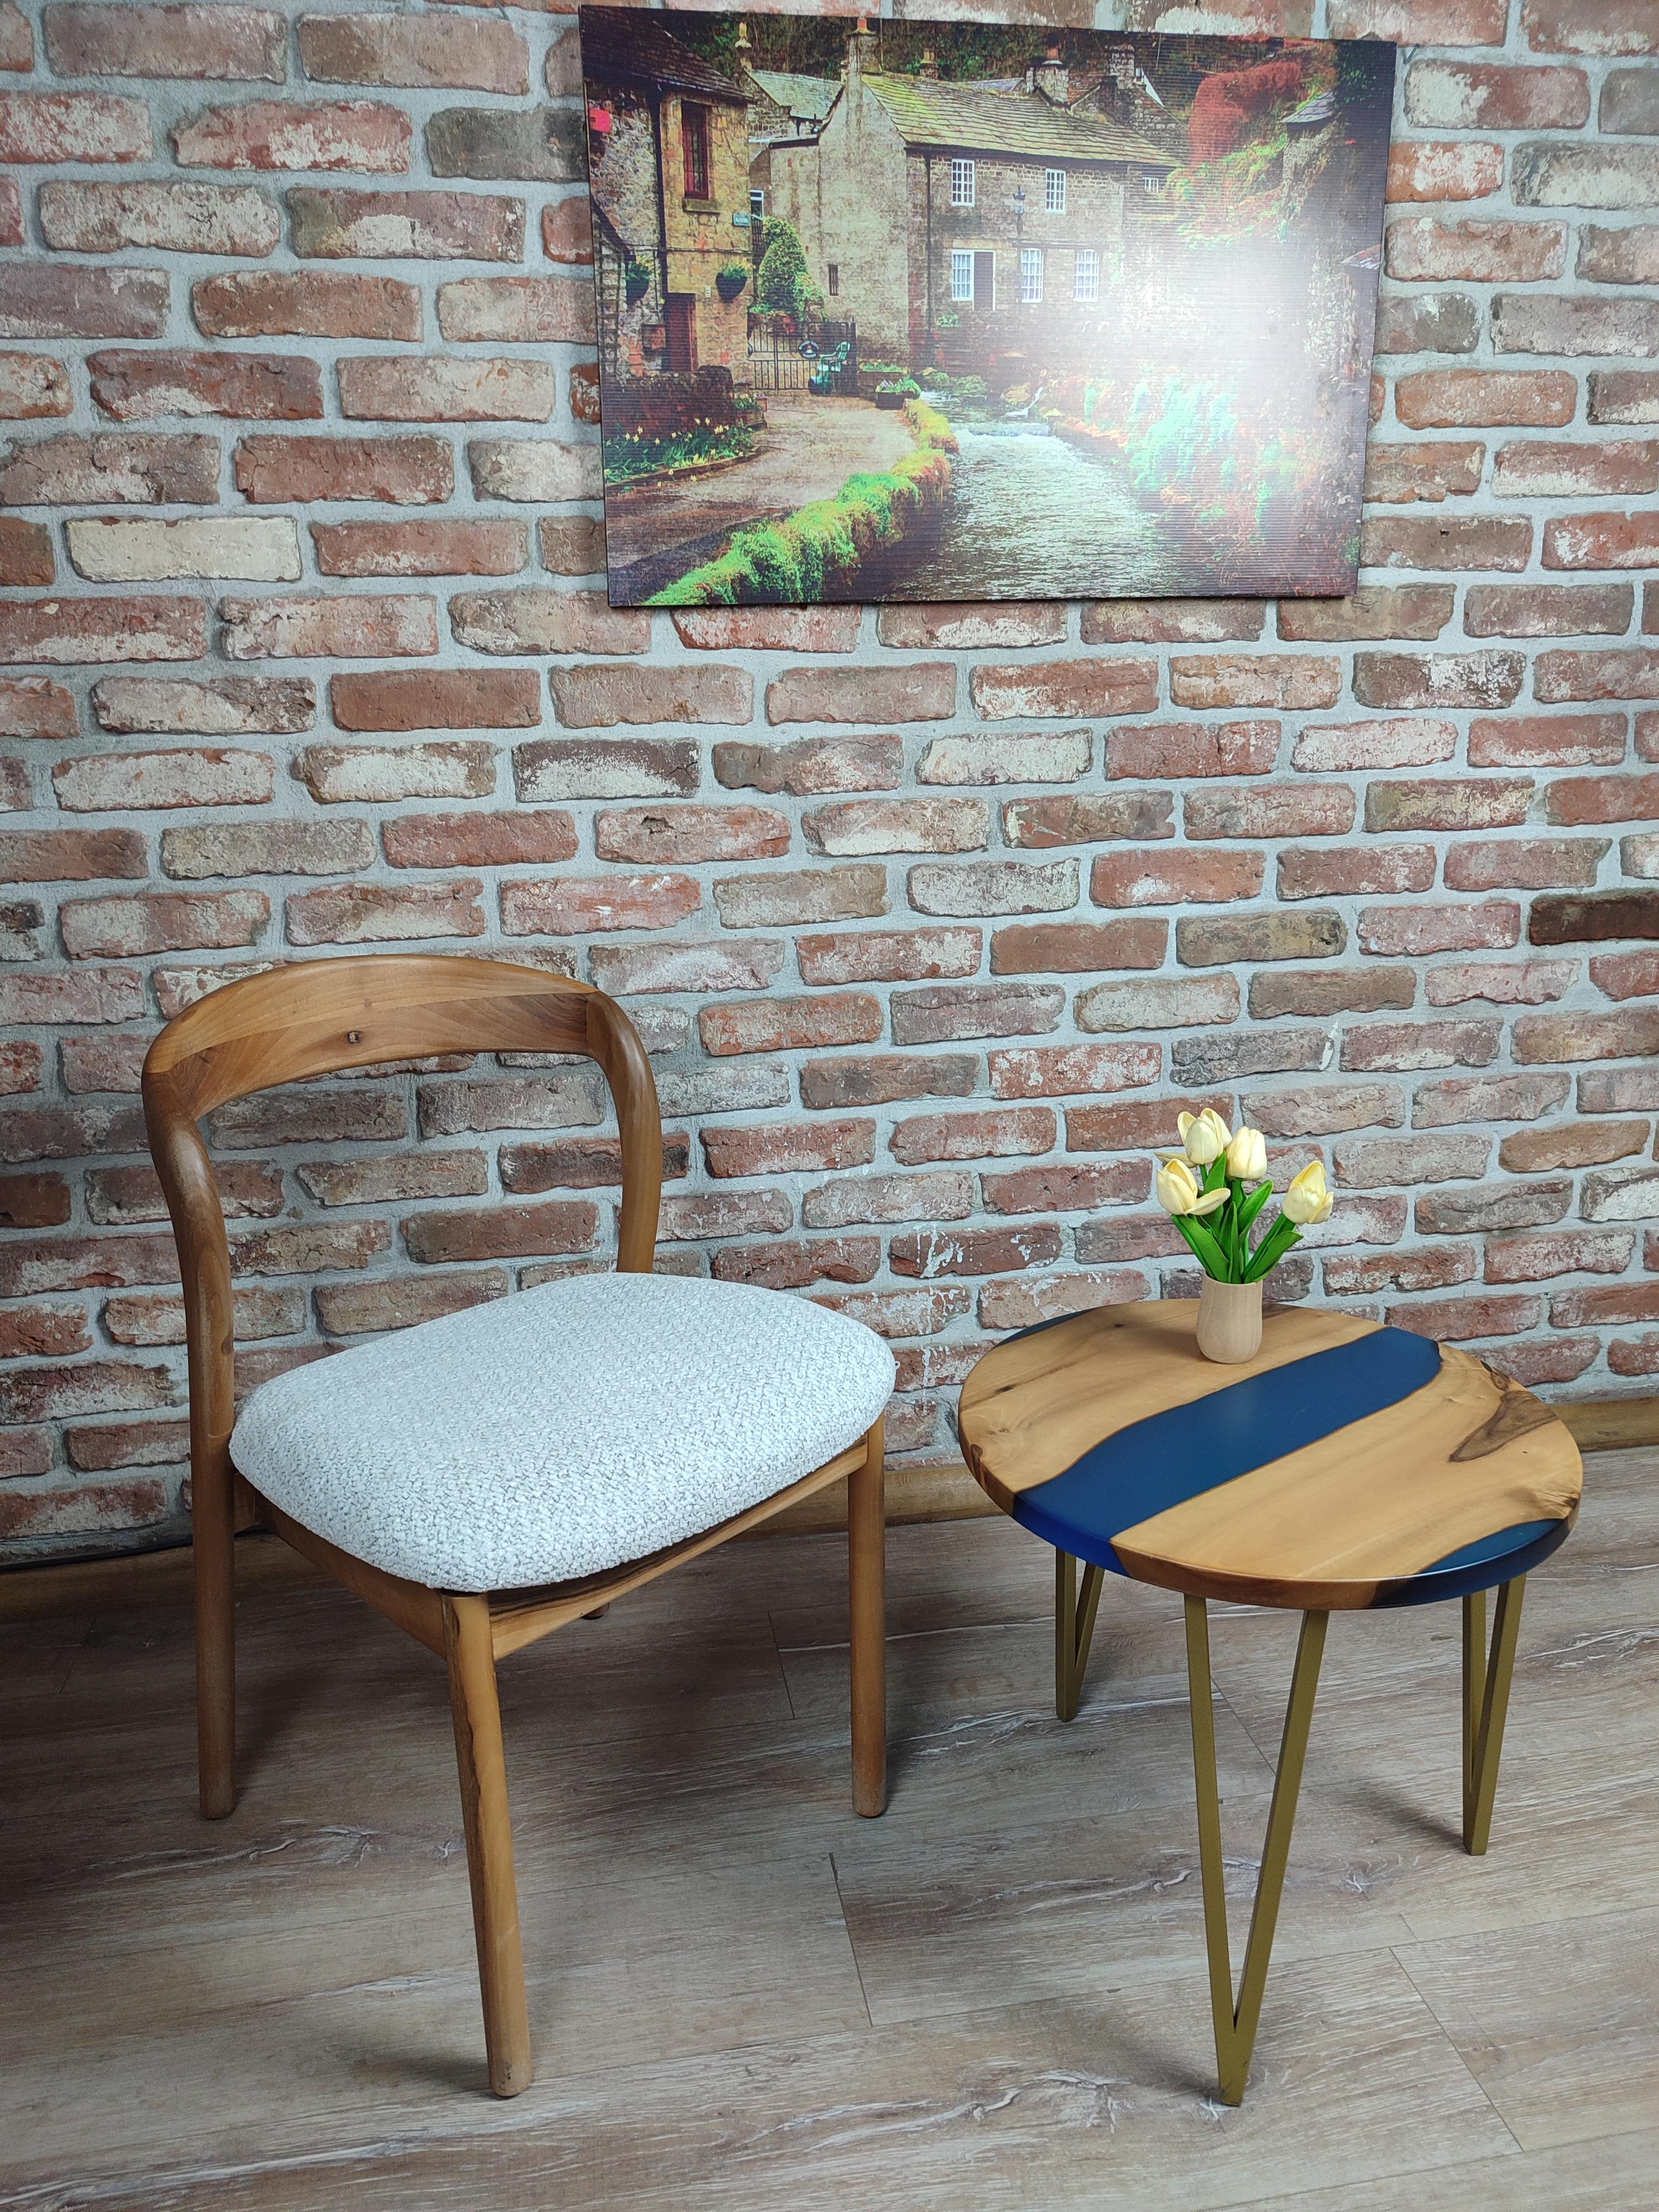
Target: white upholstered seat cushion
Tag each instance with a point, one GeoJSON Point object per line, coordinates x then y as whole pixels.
{"type": "Point", "coordinates": [563, 1431]}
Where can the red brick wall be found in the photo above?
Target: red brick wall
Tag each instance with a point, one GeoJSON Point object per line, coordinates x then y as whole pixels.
{"type": "Point", "coordinates": [931, 918]}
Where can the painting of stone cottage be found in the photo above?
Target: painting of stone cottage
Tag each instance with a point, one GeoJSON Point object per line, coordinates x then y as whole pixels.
{"type": "Point", "coordinates": [966, 310]}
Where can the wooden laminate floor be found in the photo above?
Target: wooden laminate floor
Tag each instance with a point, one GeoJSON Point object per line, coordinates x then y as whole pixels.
{"type": "Point", "coordinates": [746, 2000]}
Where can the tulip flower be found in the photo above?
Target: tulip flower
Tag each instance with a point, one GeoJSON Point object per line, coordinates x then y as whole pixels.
{"type": "Point", "coordinates": [1179, 1192]}
{"type": "Point", "coordinates": [1206, 1136]}
{"type": "Point", "coordinates": [1308, 1201]}
{"type": "Point", "coordinates": [1247, 1157]}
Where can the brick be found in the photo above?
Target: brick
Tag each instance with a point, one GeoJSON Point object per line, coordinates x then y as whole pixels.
{"type": "Point", "coordinates": [1397, 1045]}
{"type": "Point", "coordinates": [330, 629]}
{"type": "Point", "coordinates": [355, 775]}
{"type": "Point", "coordinates": [45, 856]}
{"type": "Point", "coordinates": [1547, 610]}
{"type": "Point", "coordinates": [1435, 541]}
{"type": "Point", "coordinates": [903, 1313]}
{"type": "Point", "coordinates": [1227, 941]}
{"type": "Point", "coordinates": [882, 1078]}
{"type": "Point", "coordinates": [1460, 95]}
{"type": "Point", "coordinates": [1594, 918]}
{"type": "Point", "coordinates": [111, 467]}
{"type": "Point", "coordinates": [110, 550]}
{"type": "Point", "coordinates": [1332, 991]}
{"type": "Point", "coordinates": [1639, 856]}
{"type": "Point", "coordinates": [70, 1132]}
{"type": "Point", "coordinates": [167, 922]}
{"type": "Point", "coordinates": [46, 302]}
{"type": "Point", "coordinates": [1009, 623]}
{"type": "Point", "coordinates": [1043, 1072]}
{"type": "Point", "coordinates": [26, 555]}
{"type": "Point", "coordinates": [887, 955]}
{"type": "Point", "coordinates": [600, 694]}
{"type": "Point", "coordinates": [934, 1252]}
{"type": "Point", "coordinates": [45, 1264]}
{"type": "Point", "coordinates": [1063, 688]}
{"type": "Point", "coordinates": [791, 1024]}
{"type": "Point", "coordinates": [397, 472]}
{"type": "Point", "coordinates": [919, 691]}
{"type": "Point", "coordinates": [1135, 1124]}
{"type": "Point", "coordinates": [153, 1318]}
{"type": "Point", "coordinates": [543, 145]}
{"type": "Point", "coordinates": [768, 901]}
{"type": "Point", "coordinates": [173, 218]}
{"type": "Point", "coordinates": [373, 913]}
{"type": "Point", "coordinates": [1376, 610]}
{"type": "Point", "coordinates": [1199, 1061]}
{"type": "Point", "coordinates": [1612, 1304]}
{"type": "Point", "coordinates": [1619, 256]}
{"type": "Point", "coordinates": [1044, 822]}
{"type": "Point", "coordinates": [770, 630]}
{"type": "Point", "coordinates": [1373, 1163]}
{"type": "Point", "coordinates": [1041, 757]}
{"type": "Point", "coordinates": [1602, 541]}
{"type": "Point", "coordinates": [333, 224]}
{"type": "Point", "coordinates": [1547, 323]}
{"type": "Point", "coordinates": [536, 621]}
{"type": "Point", "coordinates": [1428, 1268]}
{"type": "Point", "coordinates": [1168, 622]}
{"type": "Point", "coordinates": [1546, 174]}
{"type": "Point", "coordinates": [352, 1309]}
{"type": "Point", "coordinates": [279, 134]}
{"type": "Point", "coordinates": [1421, 249]}
{"type": "Point", "coordinates": [1026, 1300]}
{"type": "Point", "coordinates": [684, 965]}
{"type": "Point", "coordinates": [1351, 872]}
{"type": "Point", "coordinates": [1458, 398]}
{"type": "Point", "coordinates": [690, 1217]}
{"type": "Point", "coordinates": [976, 887]}
{"type": "Point", "coordinates": [32, 386]}
{"type": "Point", "coordinates": [1627, 974]}
{"type": "Point", "coordinates": [1634, 1355]}
{"type": "Point", "coordinates": [518, 839]}
{"type": "Point", "coordinates": [1523, 864]}
{"type": "Point", "coordinates": [17, 38]}
{"type": "Point", "coordinates": [137, 387]}
{"type": "Point", "coordinates": [1619, 676]}
{"type": "Point", "coordinates": [606, 767]}
{"type": "Point", "coordinates": [1077, 947]}
{"type": "Point", "coordinates": [1620, 1195]}
{"type": "Point", "coordinates": [944, 1196]}
{"type": "Point", "coordinates": [800, 1147]}
{"type": "Point", "coordinates": [48, 1332]}
{"type": "Point", "coordinates": [570, 1098]}
{"type": "Point", "coordinates": [515, 311]}
{"type": "Point", "coordinates": [1189, 749]}
{"type": "Point", "coordinates": [438, 699]}
{"type": "Point", "coordinates": [570, 905]}
{"type": "Point", "coordinates": [1617, 1035]}
{"type": "Point", "coordinates": [92, 1386]}
{"type": "Point", "coordinates": [1630, 102]}
{"type": "Point", "coordinates": [1116, 1239]}
{"type": "Point", "coordinates": [1552, 469]}
{"type": "Point", "coordinates": [382, 388]}
{"type": "Point", "coordinates": [943, 1013]}
{"type": "Point", "coordinates": [35, 1201]}
{"type": "Point", "coordinates": [1430, 803]}
{"type": "Point", "coordinates": [1618, 1090]}
{"type": "Point", "coordinates": [72, 126]}
{"type": "Point", "coordinates": [1444, 169]}
{"type": "Point", "coordinates": [1572, 800]}
{"type": "Point", "coordinates": [268, 303]}
{"type": "Point", "coordinates": [1175, 878]}
{"type": "Point", "coordinates": [1427, 322]}
{"type": "Point", "coordinates": [1326, 1109]}
{"type": "Point", "coordinates": [541, 470]}
{"type": "Point", "coordinates": [1536, 1258]}
{"type": "Point", "coordinates": [995, 1133]}
{"type": "Point", "coordinates": [483, 548]}
{"type": "Point", "coordinates": [1433, 470]}
{"type": "Point", "coordinates": [1179, 1002]}
{"type": "Point", "coordinates": [1240, 679]}
{"type": "Point", "coordinates": [796, 1264]}
{"type": "Point", "coordinates": [568, 232]}
{"type": "Point", "coordinates": [450, 53]}
{"type": "Point", "coordinates": [811, 766]}
{"type": "Point", "coordinates": [1504, 983]}
{"type": "Point", "coordinates": [502, 1231]}
{"type": "Point", "coordinates": [1402, 741]}
{"type": "Point", "coordinates": [575, 1163]}
{"type": "Point", "coordinates": [126, 39]}
{"type": "Point", "coordinates": [20, 921]}
{"type": "Point", "coordinates": [231, 706]}
{"type": "Point", "coordinates": [1270, 810]}
{"type": "Point", "coordinates": [403, 1176]}
{"type": "Point", "coordinates": [102, 1061]}
{"type": "Point", "coordinates": [110, 994]}
{"type": "Point", "coordinates": [687, 834]}
{"type": "Point", "coordinates": [121, 1197]}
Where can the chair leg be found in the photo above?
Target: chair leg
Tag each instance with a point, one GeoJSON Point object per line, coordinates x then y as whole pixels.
{"type": "Point", "coordinates": [481, 1761]}
{"type": "Point", "coordinates": [214, 1544]}
{"type": "Point", "coordinates": [867, 1560]}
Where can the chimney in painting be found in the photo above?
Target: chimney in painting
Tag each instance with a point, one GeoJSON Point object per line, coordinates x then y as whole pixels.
{"type": "Point", "coordinates": [929, 64]}
{"type": "Point", "coordinates": [1051, 77]}
{"type": "Point", "coordinates": [743, 56]}
{"type": "Point", "coordinates": [860, 54]}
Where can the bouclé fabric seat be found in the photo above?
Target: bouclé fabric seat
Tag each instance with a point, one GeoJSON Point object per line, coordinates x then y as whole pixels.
{"type": "Point", "coordinates": [554, 1434]}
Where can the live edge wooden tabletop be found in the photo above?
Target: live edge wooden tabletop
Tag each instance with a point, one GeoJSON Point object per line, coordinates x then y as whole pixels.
{"type": "Point", "coordinates": [1347, 1464]}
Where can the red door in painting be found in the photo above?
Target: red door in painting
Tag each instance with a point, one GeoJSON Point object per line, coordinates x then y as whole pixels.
{"type": "Point", "coordinates": [681, 323]}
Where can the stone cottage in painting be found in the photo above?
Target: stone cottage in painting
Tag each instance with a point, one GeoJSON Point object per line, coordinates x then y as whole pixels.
{"type": "Point", "coordinates": [982, 229]}
{"type": "Point", "coordinates": [668, 174]}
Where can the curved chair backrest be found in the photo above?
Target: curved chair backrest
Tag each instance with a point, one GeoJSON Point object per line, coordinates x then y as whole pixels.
{"type": "Point", "coordinates": [317, 1017]}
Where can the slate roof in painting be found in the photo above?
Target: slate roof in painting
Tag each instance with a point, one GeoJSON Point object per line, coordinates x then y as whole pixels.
{"type": "Point", "coordinates": [977, 119]}
{"type": "Point", "coordinates": [810, 96]}
{"type": "Point", "coordinates": [629, 42]}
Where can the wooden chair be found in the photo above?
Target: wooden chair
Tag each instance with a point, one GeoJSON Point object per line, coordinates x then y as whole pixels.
{"type": "Point", "coordinates": [320, 1017]}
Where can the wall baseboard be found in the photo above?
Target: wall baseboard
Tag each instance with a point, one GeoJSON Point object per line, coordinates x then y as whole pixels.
{"type": "Point", "coordinates": [946, 1492]}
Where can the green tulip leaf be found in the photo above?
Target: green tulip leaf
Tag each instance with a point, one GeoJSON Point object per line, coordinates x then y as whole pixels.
{"type": "Point", "coordinates": [1254, 1204]}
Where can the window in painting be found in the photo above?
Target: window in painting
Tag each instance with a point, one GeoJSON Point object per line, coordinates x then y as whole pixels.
{"type": "Point", "coordinates": [962, 277]}
{"type": "Point", "coordinates": [1086, 280]}
{"type": "Point", "coordinates": [1054, 192]}
{"type": "Point", "coordinates": [694, 139]}
{"type": "Point", "coordinates": [835, 280]}
{"type": "Point", "coordinates": [1031, 275]}
{"type": "Point", "coordinates": [961, 184]}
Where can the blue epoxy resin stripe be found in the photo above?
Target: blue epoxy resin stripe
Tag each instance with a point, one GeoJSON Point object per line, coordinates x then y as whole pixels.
{"type": "Point", "coordinates": [1171, 1456]}
{"type": "Point", "coordinates": [1494, 1559]}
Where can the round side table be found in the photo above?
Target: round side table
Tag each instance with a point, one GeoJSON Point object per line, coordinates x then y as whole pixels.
{"type": "Point", "coordinates": [1345, 1465]}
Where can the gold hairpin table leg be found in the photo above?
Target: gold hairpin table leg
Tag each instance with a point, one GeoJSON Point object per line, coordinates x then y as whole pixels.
{"type": "Point", "coordinates": [1074, 1629]}
{"type": "Point", "coordinates": [1235, 2022]}
{"type": "Point", "coordinates": [1485, 1704]}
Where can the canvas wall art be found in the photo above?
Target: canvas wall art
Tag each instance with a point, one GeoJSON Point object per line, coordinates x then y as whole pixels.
{"type": "Point", "coordinates": [946, 310]}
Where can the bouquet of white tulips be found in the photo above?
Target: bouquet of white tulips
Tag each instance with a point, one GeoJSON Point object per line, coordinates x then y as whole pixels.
{"type": "Point", "coordinates": [1204, 1189]}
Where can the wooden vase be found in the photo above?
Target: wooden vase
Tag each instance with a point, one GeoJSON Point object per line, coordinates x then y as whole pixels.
{"type": "Point", "coordinates": [1228, 1321]}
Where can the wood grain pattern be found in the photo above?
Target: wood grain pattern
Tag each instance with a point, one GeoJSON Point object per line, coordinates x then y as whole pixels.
{"type": "Point", "coordinates": [1034, 1406]}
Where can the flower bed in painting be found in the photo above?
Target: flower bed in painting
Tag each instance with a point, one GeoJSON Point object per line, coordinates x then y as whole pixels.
{"type": "Point", "coordinates": [816, 552]}
{"type": "Point", "coordinates": [632, 456]}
